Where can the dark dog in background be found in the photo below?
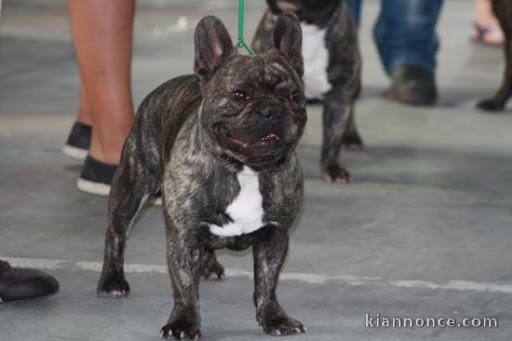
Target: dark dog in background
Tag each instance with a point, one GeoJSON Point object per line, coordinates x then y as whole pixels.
{"type": "Point", "coordinates": [332, 65]}
{"type": "Point", "coordinates": [503, 11]}
{"type": "Point", "coordinates": [220, 145]}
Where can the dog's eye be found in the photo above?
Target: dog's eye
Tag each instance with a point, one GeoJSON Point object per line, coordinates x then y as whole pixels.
{"type": "Point", "coordinates": [296, 96]}
{"type": "Point", "coordinates": [240, 96]}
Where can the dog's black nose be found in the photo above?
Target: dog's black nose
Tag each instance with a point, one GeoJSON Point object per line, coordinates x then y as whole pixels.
{"type": "Point", "coordinates": [272, 113]}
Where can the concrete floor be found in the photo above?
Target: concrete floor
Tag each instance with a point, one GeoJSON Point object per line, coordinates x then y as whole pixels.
{"type": "Point", "coordinates": [423, 230]}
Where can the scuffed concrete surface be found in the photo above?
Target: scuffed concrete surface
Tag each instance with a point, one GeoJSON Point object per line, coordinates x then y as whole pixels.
{"type": "Point", "coordinates": [423, 230]}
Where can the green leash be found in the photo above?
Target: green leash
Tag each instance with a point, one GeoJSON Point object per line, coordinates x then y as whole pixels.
{"type": "Point", "coordinates": [241, 23]}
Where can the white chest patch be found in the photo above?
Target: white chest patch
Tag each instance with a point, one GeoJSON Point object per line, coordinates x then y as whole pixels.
{"type": "Point", "coordinates": [316, 58]}
{"type": "Point", "coordinates": [246, 210]}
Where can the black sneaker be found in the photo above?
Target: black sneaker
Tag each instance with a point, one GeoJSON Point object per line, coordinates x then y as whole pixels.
{"type": "Point", "coordinates": [79, 141]}
{"type": "Point", "coordinates": [96, 176]}
{"type": "Point", "coordinates": [19, 284]}
{"type": "Point", "coordinates": [412, 85]}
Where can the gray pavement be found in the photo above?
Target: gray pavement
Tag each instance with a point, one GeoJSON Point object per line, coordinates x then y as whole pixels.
{"type": "Point", "coordinates": [423, 230]}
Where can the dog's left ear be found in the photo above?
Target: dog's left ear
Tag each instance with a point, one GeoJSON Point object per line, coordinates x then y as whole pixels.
{"type": "Point", "coordinates": [288, 40]}
{"type": "Point", "coordinates": [212, 46]}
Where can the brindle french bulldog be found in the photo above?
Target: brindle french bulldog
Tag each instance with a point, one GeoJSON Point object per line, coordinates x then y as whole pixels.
{"type": "Point", "coordinates": [503, 11]}
{"type": "Point", "coordinates": [332, 70]}
{"type": "Point", "coordinates": [220, 145]}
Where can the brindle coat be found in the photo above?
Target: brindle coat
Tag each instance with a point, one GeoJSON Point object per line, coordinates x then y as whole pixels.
{"type": "Point", "coordinates": [186, 142]}
{"type": "Point", "coordinates": [343, 71]}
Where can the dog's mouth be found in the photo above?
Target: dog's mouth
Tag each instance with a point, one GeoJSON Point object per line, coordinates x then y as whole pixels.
{"type": "Point", "coordinates": [268, 141]}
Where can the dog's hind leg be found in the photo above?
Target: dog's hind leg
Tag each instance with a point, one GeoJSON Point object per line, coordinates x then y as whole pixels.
{"type": "Point", "coordinates": [210, 266]}
{"type": "Point", "coordinates": [351, 139]}
{"type": "Point", "coordinates": [335, 123]}
{"type": "Point", "coordinates": [134, 183]}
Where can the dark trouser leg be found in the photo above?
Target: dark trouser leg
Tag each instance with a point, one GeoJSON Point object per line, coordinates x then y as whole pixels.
{"type": "Point", "coordinates": [405, 33]}
{"type": "Point", "coordinates": [355, 8]}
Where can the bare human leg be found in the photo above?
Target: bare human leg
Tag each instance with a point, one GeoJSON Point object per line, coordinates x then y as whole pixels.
{"type": "Point", "coordinates": [102, 34]}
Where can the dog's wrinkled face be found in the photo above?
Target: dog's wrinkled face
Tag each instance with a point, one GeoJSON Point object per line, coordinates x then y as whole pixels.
{"type": "Point", "coordinates": [253, 107]}
{"type": "Point", "coordinates": [315, 12]}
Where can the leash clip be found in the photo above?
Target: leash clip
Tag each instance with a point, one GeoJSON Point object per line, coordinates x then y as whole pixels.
{"type": "Point", "coordinates": [241, 24]}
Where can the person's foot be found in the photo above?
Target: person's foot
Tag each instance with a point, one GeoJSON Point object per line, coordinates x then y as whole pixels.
{"type": "Point", "coordinates": [96, 176]}
{"type": "Point", "coordinates": [19, 284]}
{"type": "Point", "coordinates": [413, 85]}
{"type": "Point", "coordinates": [79, 141]}
{"type": "Point", "coordinates": [490, 35]}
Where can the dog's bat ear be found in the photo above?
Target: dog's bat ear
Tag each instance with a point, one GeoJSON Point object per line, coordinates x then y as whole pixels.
{"type": "Point", "coordinates": [212, 46]}
{"type": "Point", "coordinates": [288, 40]}
{"type": "Point", "coordinates": [272, 4]}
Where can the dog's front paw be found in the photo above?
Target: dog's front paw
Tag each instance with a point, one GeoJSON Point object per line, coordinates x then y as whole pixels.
{"type": "Point", "coordinates": [282, 325]}
{"type": "Point", "coordinates": [490, 105]}
{"type": "Point", "coordinates": [113, 285]}
{"type": "Point", "coordinates": [335, 174]}
{"type": "Point", "coordinates": [351, 140]}
{"type": "Point", "coordinates": [181, 328]}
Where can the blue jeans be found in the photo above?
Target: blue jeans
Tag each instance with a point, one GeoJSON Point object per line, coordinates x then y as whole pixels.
{"type": "Point", "coordinates": [405, 32]}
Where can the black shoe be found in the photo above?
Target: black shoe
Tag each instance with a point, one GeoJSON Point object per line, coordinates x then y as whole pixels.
{"type": "Point", "coordinates": [412, 85]}
{"type": "Point", "coordinates": [96, 176]}
{"type": "Point", "coordinates": [79, 141]}
{"type": "Point", "coordinates": [19, 284]}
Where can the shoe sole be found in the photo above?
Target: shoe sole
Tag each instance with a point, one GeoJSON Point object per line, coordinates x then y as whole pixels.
{"type": "Point", "coordinates": [75, 153]}
{"type": "Point", "coordinates": [104, 190]}
{"type": "Point", "coordinates": [93, 187]}
{"type": "Point", "coordinates": [407, 101]}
